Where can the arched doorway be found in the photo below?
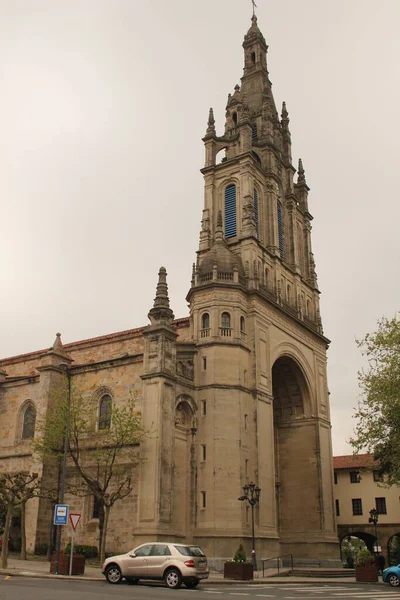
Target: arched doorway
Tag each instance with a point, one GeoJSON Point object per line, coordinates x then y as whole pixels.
{"type": "Point", "coordinates": [184, 469]}
{"type": "Point", "coordinates": [297, 461]}
{"type": "Point", "coordinates": [394, 549]}
{"type": "Point", "coordinates": [350, 545]}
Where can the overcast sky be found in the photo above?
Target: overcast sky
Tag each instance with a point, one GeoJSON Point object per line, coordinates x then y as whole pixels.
{"type": "Point", "coordinates": [103, 104]}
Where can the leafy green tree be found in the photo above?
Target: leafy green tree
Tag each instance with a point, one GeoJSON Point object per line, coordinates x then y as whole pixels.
{"type": "Point", "coordinates": [378, 412]}
{"type": "Point", "coordinates": [103, 454]}
{"type": "Point", "coordinates": [15, 490]}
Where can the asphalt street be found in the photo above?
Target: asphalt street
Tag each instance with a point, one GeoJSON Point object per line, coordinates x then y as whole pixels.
{"type": "Point", "coordinates": [18, 588]}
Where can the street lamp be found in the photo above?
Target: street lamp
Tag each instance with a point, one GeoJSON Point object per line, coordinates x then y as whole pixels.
{"type": "Point", "coordinates": [65, 367]}
{"type": "Point", "coordinates": [373, 518]}
{"type": "Point", "coordinates": [252, 496]}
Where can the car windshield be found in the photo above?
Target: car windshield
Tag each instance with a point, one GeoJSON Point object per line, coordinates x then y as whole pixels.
{"type": "Point", "coordinates": [190, 550]}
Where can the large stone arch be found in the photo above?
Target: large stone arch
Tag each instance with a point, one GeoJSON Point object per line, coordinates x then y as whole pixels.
{"type": "Point", "coordinates": [297, 460]}
{"type": "Point", "coordinates": [184, 471]}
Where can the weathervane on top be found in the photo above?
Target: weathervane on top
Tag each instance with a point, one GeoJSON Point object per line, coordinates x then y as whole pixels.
{"type": "Point", "coordinates": [254, 7]}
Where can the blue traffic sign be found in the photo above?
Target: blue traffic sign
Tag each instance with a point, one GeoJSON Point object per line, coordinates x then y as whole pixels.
{"type": "Point", "coordinates": [61, 514]}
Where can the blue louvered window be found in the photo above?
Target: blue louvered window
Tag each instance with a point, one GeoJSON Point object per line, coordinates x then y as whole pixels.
{"type": "Point", "coordinates": [254, 132]}
{"type": "Point", "coordinates": [230, 211]}
{"type": "Point", "coordinates": [280, 230]}
{"type": "Point", "coordinates": [256, 209]}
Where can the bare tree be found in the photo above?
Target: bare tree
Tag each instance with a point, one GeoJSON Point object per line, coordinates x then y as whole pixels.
{"type": "Point", "coordinates": [104, 453]}
{"type": "Point", "coordinates": [15, 490]}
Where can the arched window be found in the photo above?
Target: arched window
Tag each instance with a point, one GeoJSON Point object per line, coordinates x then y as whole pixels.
{"type": "Point", "coordinates": [105, 410]}
{"type": "Point", "coordinates": [242, 325]}
{"type": "Point", "coordinates": [253, 57]}
{"type": "Point", "coordinates": [280, 229]}
{"type": "Point", "coordinates": [205, 321]}
{"type": "Point", "coordinates": [28, 425]}
{"type": "Point", "coordinates": [235, 118]}
{"type": "Point", "coordinates": [255, 196]}
{"type": "Point", "coordinates": [230, 211]}
{"type": "Point", "coordinates": [225, 320]}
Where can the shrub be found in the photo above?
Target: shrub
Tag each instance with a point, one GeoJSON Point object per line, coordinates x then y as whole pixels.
{"type": "Point", "coordinates": [240, 555]}
{"type": "Point", "coordinates": [83, 550]}
{"type": "Point", "coordinates": [364, 558]}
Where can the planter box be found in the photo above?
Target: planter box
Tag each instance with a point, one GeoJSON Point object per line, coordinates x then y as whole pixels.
{"type": "Point", "coordinates": [78, 564]}
{"type": "Point", "coordinates": [234, 570]}
{"type": "Point", "coordinates": [366, 574]}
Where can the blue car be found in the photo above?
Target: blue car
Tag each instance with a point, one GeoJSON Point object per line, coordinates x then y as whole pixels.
{"type": "Point", "coordinates": [391, 575]}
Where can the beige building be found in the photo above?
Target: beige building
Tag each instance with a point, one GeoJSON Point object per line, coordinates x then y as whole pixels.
{"type": "Point", "coordinates": [237, 391]}
{"type": "Point", "coordinates": [358, 489]}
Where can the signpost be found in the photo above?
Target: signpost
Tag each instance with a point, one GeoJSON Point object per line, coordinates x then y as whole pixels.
{"type": "Point", "coordinates": [74, 519]}
{"type": "Point", "coordinates": [61, 514]}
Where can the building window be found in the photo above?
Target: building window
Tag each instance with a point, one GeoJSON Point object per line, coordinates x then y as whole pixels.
{"type": "Point", "coordinates": [105, 412]}
{"type": "Point", "coordinates": [335, 477]}
{"type": "Point", "coordinates": [337, 508]}
{"type": "Point", "coordinates": [204, 407]}
{"type": "Point", "coordinates": [255, 197]}
{"type": "Point", "coordinates": [355, 477]}
{"type": "Point", "coordinates": [28, 425]}
{"type": "Point", "coordinates": [253, 57]}
{"type": "Point", "coordinates": [230, 211]}
{"type": "Point", "coordinates": [96, 508]}
{"type": "Point", "coordinates": [380, 504]}
{"type": "Point", "coordinates": [246, 467]}
{"type": "Point", "coordinates": [280, 229]}
{"type": "Point", "coordinates": [245, 421]}
{"type": "Point", "coordinates": [204, 363]}
{"type": "Point", "coordinates": [203, 452]}
{"type": "Point", "coordinates": [205, 321]}
{"type": "Point", "coordinates": [242, 325]}
{"type": "Point", "coordinates": [225, 320]}
{"type": "Point", "coordinates": [203, 499]}
{"type": "Point", "coordinates": [235, 118]}
{"type": "Point", "coordinates": [357, 506]}
{"type": "Point", "coordinates": [247, 514]}
{"type": "Point", "coordinates": [377, 476]}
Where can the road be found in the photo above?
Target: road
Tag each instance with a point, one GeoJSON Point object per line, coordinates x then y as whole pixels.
{"type": "Point", "coordinates": [18, 588]}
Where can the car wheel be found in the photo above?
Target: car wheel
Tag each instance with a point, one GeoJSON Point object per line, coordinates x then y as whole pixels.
{"type": "Point", "coordinates": [393, 580]}
{"type": "Point", "coordinates": [113, 574]}
{"type": "Point", "coordinates": [173, 579]}
{"type": "Point", "coordinates": [132, 580]}
{"type": "Point", "coordinates": [192, 583]}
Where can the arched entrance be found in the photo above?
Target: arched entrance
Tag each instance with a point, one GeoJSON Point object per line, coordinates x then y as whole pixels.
{"type": "Point", "coordinates": [393, 549]}
{"type": "Point", "coordinates": [350, 545]}
{"type": "Point", "coordinates": [184, 468]}
{"type": "Point", "coordinates": [297, 462]}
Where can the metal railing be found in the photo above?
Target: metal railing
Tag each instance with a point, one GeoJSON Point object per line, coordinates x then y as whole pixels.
{"type": "Point", "coordinates": [277, 558]}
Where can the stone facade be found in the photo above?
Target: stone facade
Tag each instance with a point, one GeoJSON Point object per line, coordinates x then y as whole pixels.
{"type": "Point", "coordinates": [237, 391]}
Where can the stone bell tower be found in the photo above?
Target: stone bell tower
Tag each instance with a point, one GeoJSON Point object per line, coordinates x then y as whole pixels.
{"type": "Point", "coordinates": [261, 354]}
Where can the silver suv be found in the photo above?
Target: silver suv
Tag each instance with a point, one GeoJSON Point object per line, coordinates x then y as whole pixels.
{"type": "Point", "coordinates": [175, 563]}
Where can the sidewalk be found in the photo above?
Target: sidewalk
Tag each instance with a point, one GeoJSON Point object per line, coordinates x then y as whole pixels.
{"type": "Point", "coordinates": [41, 569]}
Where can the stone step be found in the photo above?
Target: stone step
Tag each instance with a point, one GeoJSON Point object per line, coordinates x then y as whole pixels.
{"type": "Point", "coordinates": [305, 572]}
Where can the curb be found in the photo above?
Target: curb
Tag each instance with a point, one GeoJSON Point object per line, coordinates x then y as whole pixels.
{"type": "Point", "coordinates": [211, 581]}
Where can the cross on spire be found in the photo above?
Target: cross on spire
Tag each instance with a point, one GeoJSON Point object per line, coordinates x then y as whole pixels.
{"type": "Point", "coordinates": [254, 7]}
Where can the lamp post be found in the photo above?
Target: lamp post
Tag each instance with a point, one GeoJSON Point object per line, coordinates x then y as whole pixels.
{"type": "Point", "coordinates": [252, 496]}
{"type": "Point", "coordinates": [66, 368]}
{"type": "Point", "coordinates": [373, 518]}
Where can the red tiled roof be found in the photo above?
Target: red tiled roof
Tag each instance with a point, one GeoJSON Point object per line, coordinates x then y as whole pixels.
{"type": "Point", "coordinates": [354, 461]}
{"type": "Point", "coordinates": [102, 338]}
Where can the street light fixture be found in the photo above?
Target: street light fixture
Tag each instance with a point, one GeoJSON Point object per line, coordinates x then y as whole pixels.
{"type": "Point", "coordinates": [374, 518]}
{"type": "Point", "coordinates": [65, 367]}
{"type": "Point", "coordinates": [252, 496]}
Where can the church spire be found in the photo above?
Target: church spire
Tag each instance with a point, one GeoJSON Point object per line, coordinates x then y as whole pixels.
{"type": "Point", "coordinates": [161, 312]}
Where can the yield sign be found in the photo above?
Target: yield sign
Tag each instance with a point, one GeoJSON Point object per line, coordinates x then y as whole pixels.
{"type": "Point", "coordinates": [74, 518]}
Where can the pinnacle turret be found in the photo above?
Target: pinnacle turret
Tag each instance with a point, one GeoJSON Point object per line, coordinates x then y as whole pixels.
{"type": "Point", "coordinates": [161, 311]}
{"type": "Point", "coordinates": [211, 123]}
{"type": "Point", "coordinates": [300, 172]}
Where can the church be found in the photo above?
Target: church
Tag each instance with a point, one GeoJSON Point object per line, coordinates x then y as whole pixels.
{"type": "Point", "coordinates": [232, 394]}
